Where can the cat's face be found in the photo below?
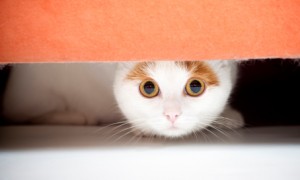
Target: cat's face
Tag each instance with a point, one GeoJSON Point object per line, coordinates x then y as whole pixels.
{"type": "Point", "coordinates": [173, 99]}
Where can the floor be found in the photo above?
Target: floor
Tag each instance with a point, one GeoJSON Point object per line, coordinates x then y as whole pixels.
{"type": "Point", "coordinates": [72, 152]}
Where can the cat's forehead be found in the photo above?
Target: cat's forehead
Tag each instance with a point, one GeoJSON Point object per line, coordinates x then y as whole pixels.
{"type": "Point", "coordinates": [173, 70]}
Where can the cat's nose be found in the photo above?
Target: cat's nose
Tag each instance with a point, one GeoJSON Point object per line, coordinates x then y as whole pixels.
{"type": "Point", "coordinates": [172, 115]}
{"type": "Point", "coordinates": [172, 110]}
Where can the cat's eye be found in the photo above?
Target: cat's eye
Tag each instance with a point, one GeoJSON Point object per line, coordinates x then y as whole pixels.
{"type": "Point", "coordinates": [149, 88]}
{"type": "Point", "coordinates": [194, 87]}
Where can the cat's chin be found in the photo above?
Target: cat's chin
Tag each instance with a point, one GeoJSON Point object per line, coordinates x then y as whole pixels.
{"type": "Point", "coordinates": [173, 132]}
{"type": "Point", "coordinates": [166, 133]}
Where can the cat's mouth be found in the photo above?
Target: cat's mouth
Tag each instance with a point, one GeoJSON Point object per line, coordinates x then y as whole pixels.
{"type": "Point", "coordinates": [173, 128]}
{"type": "Point", "coordinates": [170, 130]}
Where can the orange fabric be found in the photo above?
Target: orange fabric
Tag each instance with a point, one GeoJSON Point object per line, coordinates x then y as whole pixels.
{"type": "Point", "coordinates": [84, 30]}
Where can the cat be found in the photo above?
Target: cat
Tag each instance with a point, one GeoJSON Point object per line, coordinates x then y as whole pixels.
{"type": "Point", "coordinates": [163, 98]}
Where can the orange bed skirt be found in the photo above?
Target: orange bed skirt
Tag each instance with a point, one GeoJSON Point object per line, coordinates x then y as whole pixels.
{"type": "Point", "coordinates": [117, 30]}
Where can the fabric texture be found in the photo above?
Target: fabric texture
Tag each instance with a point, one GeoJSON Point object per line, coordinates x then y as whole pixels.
{"type": "Point", "coordinates": [110, 30]}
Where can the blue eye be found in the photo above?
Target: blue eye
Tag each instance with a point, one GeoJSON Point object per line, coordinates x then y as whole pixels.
{"type": "Point", "coordinates": [149, 88]}
{"type": "Point", "coordinates": [194, 87]}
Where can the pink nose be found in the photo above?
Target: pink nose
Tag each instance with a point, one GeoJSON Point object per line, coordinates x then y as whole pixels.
{"type": "Point", "coordinates": [172, 115]}
{"type": "Point", "coordinates": [172, 110]}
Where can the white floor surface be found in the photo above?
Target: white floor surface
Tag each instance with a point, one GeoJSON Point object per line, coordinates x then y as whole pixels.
{"type": "Point", "coordinates": [95, 153]}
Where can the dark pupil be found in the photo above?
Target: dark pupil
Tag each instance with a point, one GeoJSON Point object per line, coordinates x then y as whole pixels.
{"type": "Point", "coordinates": [195, 86]}
{"type": "Point", "coordinates": [149, 87]}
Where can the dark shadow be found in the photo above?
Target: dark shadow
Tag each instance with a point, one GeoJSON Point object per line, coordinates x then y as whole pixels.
{"type": "Point", "coordinates": [268, 92]}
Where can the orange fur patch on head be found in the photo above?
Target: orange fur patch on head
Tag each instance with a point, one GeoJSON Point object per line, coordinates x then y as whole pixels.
{"type": "Point", "coordinates": [139, 72]}
{"type": "Point", "coordinates": [200, 70]}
